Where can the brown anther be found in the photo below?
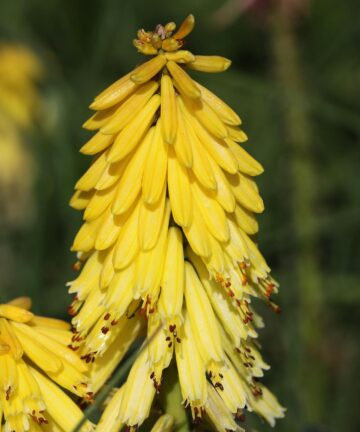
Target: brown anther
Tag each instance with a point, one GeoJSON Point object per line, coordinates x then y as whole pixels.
{"type": "Point", "coordinates": [104, 330]}
{"type": "Point", "coordinates": [76, 266]}
{"type": "Point", "coordinates": [152, 375]}
{"type": "Point", "coordinates": [172, 327]}
{"type": "Point", "coordinates": [178, 340]}
{"type": "Point", "coordinates": [170, 344]}
{"type": "Point", "coordinates": [219, 386]}
{"type": "Point", "coordinates": [114, 322]}
{"type": "Point", "coordinates": [168, 338]}
{"type": "Point", "coordinates": [107, 316]}
{"type": "Point", "coordinates": [8, 393]}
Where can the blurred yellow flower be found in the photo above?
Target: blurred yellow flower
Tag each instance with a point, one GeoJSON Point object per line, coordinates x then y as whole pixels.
{"type": "Point", "coordinates": [169, 206]}
{"type": "Point", "coordinates": [35, 362]}
{"type": "Point", "coordinates": [19, 101]}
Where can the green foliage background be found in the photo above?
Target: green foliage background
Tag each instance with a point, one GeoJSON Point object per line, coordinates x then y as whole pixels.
{"type": "Point", "coordinates": [295, 82]}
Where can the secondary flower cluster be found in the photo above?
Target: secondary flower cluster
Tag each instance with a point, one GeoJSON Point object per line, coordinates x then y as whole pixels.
{"type": "Point", "coordinates": [34, 362]}
{"type": "Point", "coordinates": [166, 245]}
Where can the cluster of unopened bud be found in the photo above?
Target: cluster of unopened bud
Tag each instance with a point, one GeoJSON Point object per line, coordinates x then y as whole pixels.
{"type": "Point", "coordinates": [162, 38]}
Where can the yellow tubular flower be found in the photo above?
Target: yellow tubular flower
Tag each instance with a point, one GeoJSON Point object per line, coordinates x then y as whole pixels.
{"type": "Point", "coordinates": [34, 360]}
{"type": "Point", "coordinates": [166, 245]}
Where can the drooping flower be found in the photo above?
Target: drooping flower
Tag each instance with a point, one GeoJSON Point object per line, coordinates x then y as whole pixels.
{"type": "Point", "coordinates": [169, 205]}
{"type": "Point", "coordinates": [36, 366]}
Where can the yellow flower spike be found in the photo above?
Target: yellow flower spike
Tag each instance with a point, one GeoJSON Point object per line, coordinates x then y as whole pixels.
{"type": "Point", "coordinates": [169, 175]}
{"type": "Point", "coordinates": [153, 185]}
{"type": "Point", "coordinates": [15, 313]}
{"type": "Point", "coordinates": [147, 70]}
{"type": "Point", "coordinates": [168, 110]}
{"type": "Point", "coordinates": [29, 400]}
{"type": "Point", "coordinates": [182, 81]}
{"type": "Point", "coordinates": [210, 64]}
{"type": "Point", "coordinates": [185, 28]}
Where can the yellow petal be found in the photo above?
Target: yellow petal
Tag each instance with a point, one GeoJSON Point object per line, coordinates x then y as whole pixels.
{"type": "Point", "coordinates": [15, 313]}
{"type": "Point", "coordinates": [100, 202]}
{"type": "Point", "coordinates": [172, 285]}
{"type": "Point", "coordinates": [154, 177]}
{"type": "Point", "coordinates": [97, 143]}
{"type": "Point", "coordinates": [182, 81]}
{"type": "Point", "coordinates": [212, 213]}
{"type": "Point", "coordinates": [202, 318]}
{"type": "Point", "coordinates": [210, 63]}
{"type": "Point", "coordinates": [179, 191]}
{"type": "Point", "coordinates": [127, 244]}
{"type": "Point", "coordinates": [115, 93]}
{"type": "Point", "coordinates": [100, 118]}
{"type": "Point", "coordinates": [80, 199]}
{"type": "Point", "coordinates": [92, 175]}
{"type": "Point", "coordinates": [109, 230]}
{"type": "Point", "coordinates": [149, 69]}
{"type": "Point", "coordinates": [57, 403]}
{"type": "Point", "coordinates": [168, 110]}
{"type": "Point", "coordinates": [180, 56]}
{"type": "Point", "coordinates": [21, 302]}
{"type": "Point", "coordinates": [223, 194]}
{"type": "Point", "coordinates": [164, 424]}
{"type": "Point", "coordinates": [150, 263]}
{"type": "Point", "coordinates": [197, 234]}
{"type": "Point", "coordinates": [247, 164]}
{"type": "Point", "coordinates": [246, 220]}
{"type": "Point", "coordinates": [50, 322]}
{"type": "Point", "coordinates": [120, 293]}
{"type": "Point", "coordinates": [130, 183]}
{"type": "Point", "coordinates": [130, 136]}
{"type": "Point", "coordinates": [9, 338]}
{"type": "Point", "coordinates": [151, 218]}
{"type": "Point", "coordinates": [86, 237]}
{"type": "Point", "coordinates": [112, 173]}
{"type": "Point", "coordinates": [191, 368]}
{"type": "Point", "coordinates": [109, 420]}
{"type": "Point", "coordinates": [206, 116]}
{"type": "Point", "coordinates": [182, 144]}
{"type": "Point", "coordinates": [130, 108]}
{"type": "Point", "coordinates": [225, 113]}
{"type": "Point", "coordinates": [185, 28]}
{"type": "Point", "coordinates": [236, 134]}
{"type": "Point", "coordinates": [138, 393]}
{"type": "Point", "coordinates": [245, 192]}
{"type": "Point", "coordinates": [217, 148]}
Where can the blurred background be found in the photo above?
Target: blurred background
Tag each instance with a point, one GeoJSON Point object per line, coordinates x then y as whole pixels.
{"type": "Point", "coordinates": [295, 82]}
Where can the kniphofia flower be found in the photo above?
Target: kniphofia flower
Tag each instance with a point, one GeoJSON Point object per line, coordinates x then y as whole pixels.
{"type": "Point", "coordinates": [36, 367]}
{"type": "Point", "coordinates": [169, 205]}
